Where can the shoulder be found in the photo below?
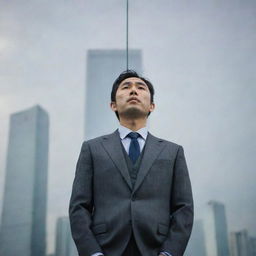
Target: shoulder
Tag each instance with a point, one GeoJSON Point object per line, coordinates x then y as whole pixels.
{"type": "Point", "coordinates": [167, 142]}
{"type": "Point", "coordinates": [100, 139]}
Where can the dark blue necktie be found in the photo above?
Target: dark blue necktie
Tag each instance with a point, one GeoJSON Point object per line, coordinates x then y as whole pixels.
{"type": "Point", "coordinates": [134, 149]}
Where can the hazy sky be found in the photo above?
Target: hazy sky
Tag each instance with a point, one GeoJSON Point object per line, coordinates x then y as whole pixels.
{"type": "Point", "coordinates": [201, 57]}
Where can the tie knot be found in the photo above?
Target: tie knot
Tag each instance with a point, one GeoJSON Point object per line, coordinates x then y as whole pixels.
{"type": "Point", "coordinates": [133, 135]}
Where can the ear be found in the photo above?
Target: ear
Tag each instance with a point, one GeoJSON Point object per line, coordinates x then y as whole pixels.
{"type": "Point", "coordinates": [113, 106]}
{"type": "Point", "coordinates": [152, 107]}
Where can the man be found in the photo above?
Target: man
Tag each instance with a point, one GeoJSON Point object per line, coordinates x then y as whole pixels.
{"type": "Point", "coordinates": [131, 193]}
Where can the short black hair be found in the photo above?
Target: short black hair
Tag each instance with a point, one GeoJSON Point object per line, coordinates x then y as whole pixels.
{"type": "Point", "coordinates": [126, 74]}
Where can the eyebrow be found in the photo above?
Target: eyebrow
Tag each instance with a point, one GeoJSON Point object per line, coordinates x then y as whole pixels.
{"type": "Point", "coordinates": [137, 83]}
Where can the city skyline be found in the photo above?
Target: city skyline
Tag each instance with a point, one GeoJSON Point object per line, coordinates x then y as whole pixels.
{"type": "Point", "coordinates": [200, 58]}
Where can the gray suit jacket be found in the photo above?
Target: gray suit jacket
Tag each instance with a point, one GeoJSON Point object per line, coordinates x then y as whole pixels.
{"type": "Point", "coordinates": [104, 209]}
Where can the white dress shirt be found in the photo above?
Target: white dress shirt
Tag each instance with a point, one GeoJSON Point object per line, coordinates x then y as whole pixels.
{"type": "Point", "coordinates": [124, 131]}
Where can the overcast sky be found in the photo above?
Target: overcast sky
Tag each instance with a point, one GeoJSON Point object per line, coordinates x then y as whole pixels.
{"type": "Point", "coordinates": [201, 57]}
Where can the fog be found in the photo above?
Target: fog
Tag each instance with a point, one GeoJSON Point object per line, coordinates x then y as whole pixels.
{"type": "Point", "coordinates": [200, 56]}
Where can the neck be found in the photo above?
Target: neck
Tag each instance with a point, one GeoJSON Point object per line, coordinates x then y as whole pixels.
{"type": "Point", "coordinates": [133, 125]}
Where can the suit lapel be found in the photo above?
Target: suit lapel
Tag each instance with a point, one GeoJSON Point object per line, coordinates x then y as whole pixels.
{"type": "Point", "coordinates": [112, 145]}
{"type": "Point", "coordinates": [153, 147]}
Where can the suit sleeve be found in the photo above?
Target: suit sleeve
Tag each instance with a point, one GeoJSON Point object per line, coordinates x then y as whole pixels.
{"type": "Point", "coordinates": [81, 205]}
{"type": "Point", "coordinates": [182, 209]}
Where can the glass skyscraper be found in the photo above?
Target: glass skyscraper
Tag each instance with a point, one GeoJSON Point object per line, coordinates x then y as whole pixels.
{"type": "Point", "coordinates": [215, 230]}
{"type": "Point", "coordinates": [103, 67]}
{"type": "Point", "coordinates": [23, 227]}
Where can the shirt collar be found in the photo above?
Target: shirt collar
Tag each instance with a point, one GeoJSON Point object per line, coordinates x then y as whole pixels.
{"type": "Point", "coordinates": [124, 131]}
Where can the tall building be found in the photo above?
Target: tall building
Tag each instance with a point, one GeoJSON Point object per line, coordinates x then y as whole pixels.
{"type": "Point", "coordinates": [215, 230]}
{"type": "Point", "coordinates": [65, 245]}
{"type": "Point", "coordinates": [239, 243]}
{"type": "Point", "coordinates": [23, 227]}
{"type": "Point", "coordinates": [103, 67]}
{"type": "Point", "coordinates": [252, 241]}
{"type": "Point", "coordinates": [196, 245]}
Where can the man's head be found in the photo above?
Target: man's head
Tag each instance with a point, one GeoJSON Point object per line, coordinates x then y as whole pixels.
{"type": "Point", "coordinates": [132, 96]}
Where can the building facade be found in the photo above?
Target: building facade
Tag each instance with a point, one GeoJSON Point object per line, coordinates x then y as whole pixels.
{"type": "Point", "coordinates": [239, 243]}
{"type": "Point", "coordinates": [23, 227]}
{"type": "Point", "coordinates": [103, 67]}
{"type": "Point", "coordinates": [215, 229]}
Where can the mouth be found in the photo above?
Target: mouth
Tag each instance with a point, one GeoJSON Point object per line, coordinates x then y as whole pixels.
{"type": "Point", "coordinates": [133, 99]}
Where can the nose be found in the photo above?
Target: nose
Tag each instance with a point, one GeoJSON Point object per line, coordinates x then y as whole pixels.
{"type": "Point", "coordinates": [133, 90]}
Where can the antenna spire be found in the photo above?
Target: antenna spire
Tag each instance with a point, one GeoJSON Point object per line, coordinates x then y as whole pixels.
{"type": "Point", "coordinates": [127, 38]}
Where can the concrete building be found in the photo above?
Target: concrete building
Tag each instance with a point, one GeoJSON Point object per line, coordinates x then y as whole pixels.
{"type": "Point", "coordinates": [65, 245]}
{"type": "Point", "coordinates": [103, 67]}
{"type": "Point", "coordinates": [23, 227]}
{"type": "Point", "coordinates": [239, 243]}
{"type": "Point", "coordinates": [215, 230]}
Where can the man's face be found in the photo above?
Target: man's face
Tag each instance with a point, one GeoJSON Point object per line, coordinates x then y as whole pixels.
{"type": "Point", "coordinates": [133, 99]}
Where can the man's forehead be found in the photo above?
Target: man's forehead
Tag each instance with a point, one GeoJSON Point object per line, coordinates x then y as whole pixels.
{"type": "Point", "coordinates": [133, 80]}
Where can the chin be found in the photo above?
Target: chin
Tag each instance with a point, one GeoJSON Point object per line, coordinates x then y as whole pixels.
{"type": "Point", "coordinates": [133, 113]}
